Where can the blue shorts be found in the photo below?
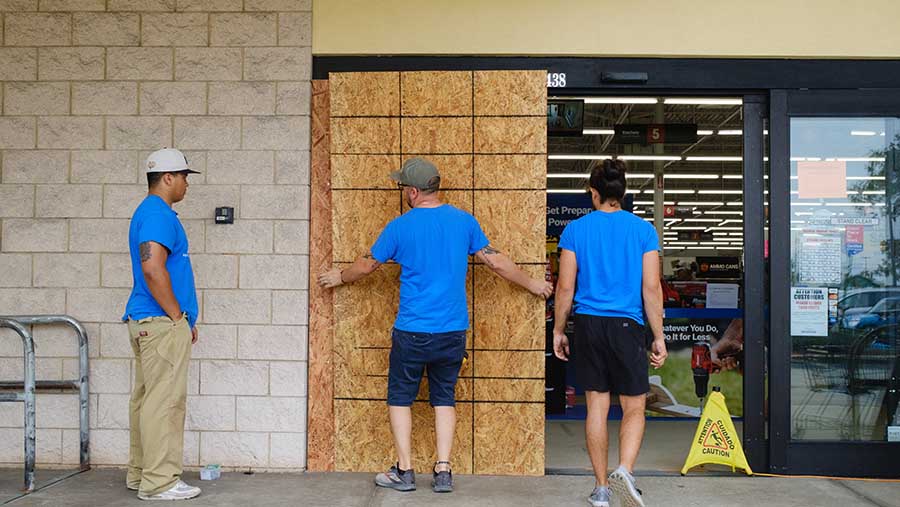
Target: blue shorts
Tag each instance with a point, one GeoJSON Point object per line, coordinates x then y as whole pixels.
{"type": "Point", "coordinates": [412, 353]}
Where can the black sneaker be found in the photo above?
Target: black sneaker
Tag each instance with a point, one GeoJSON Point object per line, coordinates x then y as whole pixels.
{"type": "Point", "coordinates": [400, 480]}
{"type": "Point", "coordinates": [443, 480]}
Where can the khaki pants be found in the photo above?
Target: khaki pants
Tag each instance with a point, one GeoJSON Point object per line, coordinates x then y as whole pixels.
{"type": "Point", "coordinates": [162, 351]}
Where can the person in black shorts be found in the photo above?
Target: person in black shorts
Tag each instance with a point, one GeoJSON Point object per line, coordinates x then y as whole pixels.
{"type": "Point", "coordinates": [609, 264]}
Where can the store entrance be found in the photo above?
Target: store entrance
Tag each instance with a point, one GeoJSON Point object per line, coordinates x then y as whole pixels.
{"type": "Point", "coordinates": [685, 162]}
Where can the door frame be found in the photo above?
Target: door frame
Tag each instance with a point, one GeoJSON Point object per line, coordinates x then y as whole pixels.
{"type": "Point", "coordinates": [839, 458]}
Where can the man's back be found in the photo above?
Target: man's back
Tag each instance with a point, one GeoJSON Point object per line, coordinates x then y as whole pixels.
{"type": "Point", "coordinates": [432, 246]}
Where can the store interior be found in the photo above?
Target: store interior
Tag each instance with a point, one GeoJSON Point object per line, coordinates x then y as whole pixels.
{"type": "Point", "coordinates": [684, 157]}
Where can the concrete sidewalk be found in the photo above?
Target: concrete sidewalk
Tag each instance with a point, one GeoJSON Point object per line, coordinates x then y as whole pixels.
{"type": "Point", "coordinates": [106, 488]}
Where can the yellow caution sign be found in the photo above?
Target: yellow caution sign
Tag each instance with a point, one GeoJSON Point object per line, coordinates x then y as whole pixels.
{"type": "Point", "coordinates": [716, 441]}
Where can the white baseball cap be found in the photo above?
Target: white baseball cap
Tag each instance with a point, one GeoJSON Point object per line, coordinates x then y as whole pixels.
{"type": "Point", "coordinates": [167, 160]}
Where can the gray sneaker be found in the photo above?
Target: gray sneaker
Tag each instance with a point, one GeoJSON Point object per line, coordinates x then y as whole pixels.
{"type": "Point", "coordinates": [443, 480]}
{"type": "Point", "coordinates": [600, 497]}
{"type": "Point", "coordinates": [622, 484]}
{"type": "Point", "coordinates": [400, 480]}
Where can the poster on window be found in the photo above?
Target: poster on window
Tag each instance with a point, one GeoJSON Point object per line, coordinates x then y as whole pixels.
{"type": "Point", "coordinates": [809, 311]}
{"type": "Point", "coordinates": [820, 258]}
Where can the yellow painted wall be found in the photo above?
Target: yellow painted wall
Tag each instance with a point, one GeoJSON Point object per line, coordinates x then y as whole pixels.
{"type": "Point", "coordinates": [725, 28]}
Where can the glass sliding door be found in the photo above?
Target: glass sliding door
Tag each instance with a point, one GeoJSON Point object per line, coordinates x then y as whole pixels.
{"type": "Point", "coordinates": [838, 329]}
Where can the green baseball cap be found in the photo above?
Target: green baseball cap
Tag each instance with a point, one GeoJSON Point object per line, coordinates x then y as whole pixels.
{"type": "Point", "coordinates": [417, 172]}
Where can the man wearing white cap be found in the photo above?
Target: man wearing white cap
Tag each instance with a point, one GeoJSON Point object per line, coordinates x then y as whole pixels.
{"type": "Point", "coordinates": [161, 314]}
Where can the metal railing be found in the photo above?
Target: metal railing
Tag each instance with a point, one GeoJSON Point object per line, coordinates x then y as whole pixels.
{"type": "Point", "coordinates": [20, 324]}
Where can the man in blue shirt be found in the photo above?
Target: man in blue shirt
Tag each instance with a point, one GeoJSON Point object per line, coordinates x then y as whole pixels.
{"type": "Point", "coordinates": [162, 315]}
{"type": "Point", "coordinates": [431, 243]}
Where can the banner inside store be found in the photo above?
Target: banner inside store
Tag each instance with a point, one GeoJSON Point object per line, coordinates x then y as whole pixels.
{"type": "Point", "coordinates": [703, 311]}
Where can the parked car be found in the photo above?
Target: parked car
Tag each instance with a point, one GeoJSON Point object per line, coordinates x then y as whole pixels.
{"type": "Point", "coordinates": [884, 312]}
{"type": "Point", "coordinates": [862, 300]}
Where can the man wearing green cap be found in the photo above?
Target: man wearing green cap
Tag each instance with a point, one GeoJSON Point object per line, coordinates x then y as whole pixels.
{"type": "Point", "coordinates": [431, 243]}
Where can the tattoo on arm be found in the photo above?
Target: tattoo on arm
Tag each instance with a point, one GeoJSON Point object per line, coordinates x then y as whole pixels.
{"type": "Point", "coordinates": [487, 251]}
{"type": "Point", "coordinates": [144, 249]}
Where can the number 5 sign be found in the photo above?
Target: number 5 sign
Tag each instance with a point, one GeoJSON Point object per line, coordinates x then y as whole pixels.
{"type": "Point", "coordinates": [656, 134]}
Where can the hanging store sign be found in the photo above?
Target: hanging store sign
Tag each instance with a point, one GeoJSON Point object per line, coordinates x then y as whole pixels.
{"type": "Point", "coordinates": [694, 236]}
{"type": "Point", "coordinates": [719, 267]}
{"type": "Point", "coordinates": [656, 133]}
{"type": "Point", "coordinates": [670, 211]}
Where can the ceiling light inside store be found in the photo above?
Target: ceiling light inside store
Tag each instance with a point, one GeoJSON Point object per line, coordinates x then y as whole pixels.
{"type": "Point", "coordinates": [649, 157]}
{"type": "Point", "coordinates": [852, 204]}
{"type": "Point", "coordinates": [862, 133]}
{"type": "Point", "coordinates": [634, 176]}
{"type": "Point", "coordinates": [691, 176]}
{"type": "Point", "coordinates": [703, 220]}
{"type": "Point", "coordinates": [619, 100]}
{"type": "Point", "coordinates": [731, 132]}
{"type": "Point", "coordinates": [704, 132]}
{"type": "Point", "coordinates": [701, 203]}
{"type": "Point", "coordinates": [672, 191]}
{"type": "Point", "coordinates": [598, 132]}
{"type": "Point", "coordinates": [721, 191]}
{"type": "Point", "coordinates": [714, 159]}
{"type": "Point", "coordinates": [702, 101]}
{"type": "Point", "coordinates": [578, 157]}
{"type": "Point", "coordinates": [568, 175]}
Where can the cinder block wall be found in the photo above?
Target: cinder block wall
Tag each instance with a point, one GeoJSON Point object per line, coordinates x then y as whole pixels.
{"type": "Point", "coordinates": [89, 88]}
{"type": "Point", "coordinates": [486, 131]}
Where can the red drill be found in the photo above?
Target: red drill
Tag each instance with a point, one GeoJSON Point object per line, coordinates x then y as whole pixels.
{"type": "Point", "coordinates": [701, 364]}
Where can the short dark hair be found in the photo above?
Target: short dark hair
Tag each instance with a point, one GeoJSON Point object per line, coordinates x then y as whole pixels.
{"type": "Point", "coordinates": [153, 179]}
{"type": "Point", "coordinates": [608, 179]}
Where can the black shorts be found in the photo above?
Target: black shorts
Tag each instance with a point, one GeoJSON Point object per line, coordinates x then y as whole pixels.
{"type": "Point", "coordinates": [610, 355]}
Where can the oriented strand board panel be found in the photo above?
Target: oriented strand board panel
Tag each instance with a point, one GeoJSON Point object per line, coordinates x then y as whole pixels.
{"type": "Point", "coordinates": [363, 441]}
{"type": "Point", "coordinates": [515, 222]}
{"type": "Point", "coordinates": [511, 171]}
{"type": "Point", "coordinates": [363, 317]}
{"type": "Point", "coordinates": [365, 93]}
{"type": "Point", "coordinates": [320, 417]}
{"type": "Point", "coordinates": [524, 134]}
{"type": "Point", "coordinates": [437, 135]}
{"type": "Point", "coordinates": [455, 170]}
{"type": "Point", "coordinates": [510, 93]}
{"type": "Point", "coordinates": [497, 389]}
{"type": "Point", "coordinates": [436, 93]}
{"type": "Point", "coordinates": [509, 438]}
{"type": "Point", "coordinates": [359, 216]}
{"type": "Point", "coordinates": [365, 135]}
{"type": "Point", "coordinates": [506, 315]}
{"type": "Point", "coordinates": [364, 311]}
{"type": "Point", "coordinates": [509, 364]}
{"type": "Point", "coordinates": [363, 171]}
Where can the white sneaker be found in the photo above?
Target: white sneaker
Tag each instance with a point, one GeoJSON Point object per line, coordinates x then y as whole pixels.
{"type": "Point", "coordinates": [180, 491]}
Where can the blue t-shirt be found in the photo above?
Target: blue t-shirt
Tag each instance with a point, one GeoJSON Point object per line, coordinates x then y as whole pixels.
{"type": "Point", "coordinates": [609, 250]}
{"type": "Point", "coordinates": [154, 220]}
{"type": "Point", "coordinates": [432, 246]}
